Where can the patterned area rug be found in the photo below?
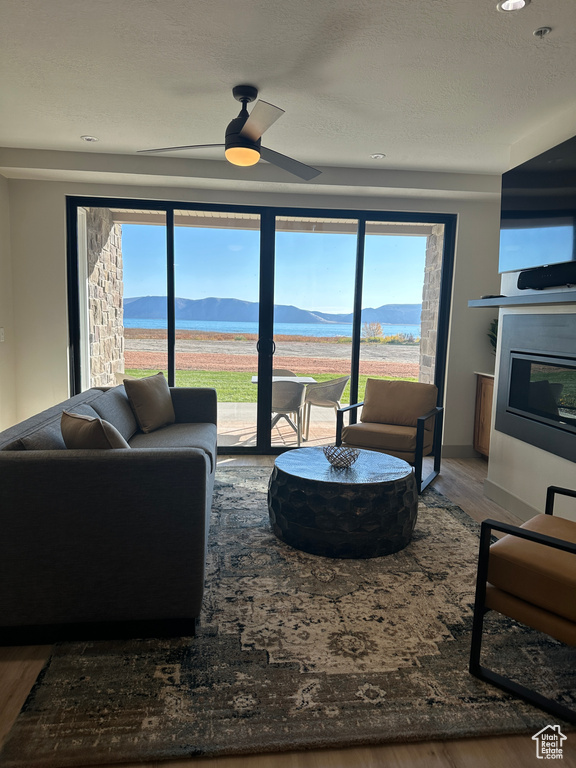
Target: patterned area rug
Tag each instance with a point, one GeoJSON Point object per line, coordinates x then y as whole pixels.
{"type": "Point", "coordinates": [293, 651]}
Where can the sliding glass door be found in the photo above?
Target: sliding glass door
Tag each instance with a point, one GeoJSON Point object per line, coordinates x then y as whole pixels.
{"type": "Point", "coordinates": [258, 303]}
{"type": "Point", "coordinates": [392, 299]}
{"type": "Point", "coordinates": [216, 277]}
{"type": "Point", "coordinates": [313, 310]}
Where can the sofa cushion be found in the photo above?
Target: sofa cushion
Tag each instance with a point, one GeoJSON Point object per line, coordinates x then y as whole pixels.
{"type": "Point", "coordinates": [84, 410]}
{"type": "Point", "coordinates": [151, 402]}
{"type": "Point", "coordinates": [46, 417]}
{"type": "Point", "coordinates": [114, 407]}
{"type": "Point", "coordinates": [48, 437]}
{"type": "Point", "coordinates": [201, 436]}
{"type": "Point", "coordinates": [15, 445]}
{"type": "Point", "coordinates": [89, 432]}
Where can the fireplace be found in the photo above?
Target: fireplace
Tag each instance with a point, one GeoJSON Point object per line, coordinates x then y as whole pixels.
{"type": "Point", "coordinates": [536, 399]}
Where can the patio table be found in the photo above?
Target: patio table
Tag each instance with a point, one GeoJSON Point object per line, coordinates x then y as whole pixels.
{"type": "Point", "coordinates": [301, 379]}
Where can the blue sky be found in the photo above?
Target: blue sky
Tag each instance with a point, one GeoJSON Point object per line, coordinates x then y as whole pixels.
{"type": "Point", "coordinates": [313, 270]}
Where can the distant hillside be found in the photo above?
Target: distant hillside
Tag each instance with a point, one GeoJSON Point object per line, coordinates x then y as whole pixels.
{"type": "Point", "coordinates": [397, 314]}
{"type": "Point", "coordinates": [234, 310]}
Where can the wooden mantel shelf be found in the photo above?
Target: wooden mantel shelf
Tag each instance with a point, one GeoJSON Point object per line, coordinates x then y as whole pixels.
{"type": "Point", "coordinates": [531, 299]}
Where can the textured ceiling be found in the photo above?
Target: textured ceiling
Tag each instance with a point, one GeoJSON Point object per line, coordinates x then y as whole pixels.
{"type": "Point", "coordinates": [434, 84]}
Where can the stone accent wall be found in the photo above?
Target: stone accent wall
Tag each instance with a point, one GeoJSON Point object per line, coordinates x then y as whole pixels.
{"type": "Point", "coordinates": [430, 304]}
{"type": "Point", "coordinates": [105, 294]}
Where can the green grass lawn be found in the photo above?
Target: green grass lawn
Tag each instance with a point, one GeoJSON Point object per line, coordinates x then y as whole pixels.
{"type": "Point", "coordinates": [234, 387]}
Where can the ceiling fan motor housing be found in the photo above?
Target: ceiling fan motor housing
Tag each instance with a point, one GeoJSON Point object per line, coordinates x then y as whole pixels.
{"type": "Point", "coordinates": [233, 137]}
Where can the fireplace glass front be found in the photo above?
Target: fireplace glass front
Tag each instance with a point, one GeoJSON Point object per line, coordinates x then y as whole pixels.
{"type": "Point", "coordinates": [536, 397]}
{"type": "Point", "coordinates": [543, 389]}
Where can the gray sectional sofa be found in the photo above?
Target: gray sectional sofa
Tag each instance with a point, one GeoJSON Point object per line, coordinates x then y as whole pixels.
{"type": "Point", "coordinates": [105, 543]}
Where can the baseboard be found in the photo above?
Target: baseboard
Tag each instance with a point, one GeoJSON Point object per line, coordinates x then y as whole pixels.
{"type": "Point", "coordinates": [510, 502]}
{"type": "Point", "coordinates": [459, 452]}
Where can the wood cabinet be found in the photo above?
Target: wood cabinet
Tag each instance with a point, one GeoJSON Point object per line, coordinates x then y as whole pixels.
{"type": "Point", "coordinates": [483, 413]}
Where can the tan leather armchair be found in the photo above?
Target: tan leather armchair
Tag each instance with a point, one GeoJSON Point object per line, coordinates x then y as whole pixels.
{"type": "Point", "coordinates": [400, 418]}
{"type": "Point", "coordinates": [528, 575]}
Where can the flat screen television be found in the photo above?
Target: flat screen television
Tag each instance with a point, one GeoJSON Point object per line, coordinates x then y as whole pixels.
{"type": "Point", "coordinates": [538, 214]}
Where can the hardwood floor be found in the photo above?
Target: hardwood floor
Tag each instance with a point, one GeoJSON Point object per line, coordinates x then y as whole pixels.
{"type": "Point", "coordinates": [461, 481]}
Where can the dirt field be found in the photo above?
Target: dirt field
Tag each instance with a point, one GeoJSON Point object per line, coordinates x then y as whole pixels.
{"type": "Point", "coordinates": [248, 364]}
{"type": "Point", "coordinates": [225, 352]}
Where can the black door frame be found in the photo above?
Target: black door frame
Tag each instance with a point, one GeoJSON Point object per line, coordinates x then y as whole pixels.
{"type": "Point", "coordinates": [265, 344]}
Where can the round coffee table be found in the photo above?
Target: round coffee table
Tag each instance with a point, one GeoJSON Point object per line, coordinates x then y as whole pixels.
{"type": "Point", "coordinates": [368, 510]}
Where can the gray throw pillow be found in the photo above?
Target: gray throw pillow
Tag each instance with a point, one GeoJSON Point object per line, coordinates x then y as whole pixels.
{"type": "Point", "coordinates": [81, 431]}
{"type": "Point", "coordinates": [151, 401]}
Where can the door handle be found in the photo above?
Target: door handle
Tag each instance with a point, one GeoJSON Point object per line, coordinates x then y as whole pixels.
{"type": "Point", "coordinates": [267, 343]}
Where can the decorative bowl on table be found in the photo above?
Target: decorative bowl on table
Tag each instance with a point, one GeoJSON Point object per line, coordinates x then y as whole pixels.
{"type": "Point", "coordinates": [341, 456]}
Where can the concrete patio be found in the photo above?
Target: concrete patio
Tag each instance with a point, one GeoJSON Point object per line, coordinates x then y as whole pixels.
{"type": "Point", "coordinates": [237, 427]}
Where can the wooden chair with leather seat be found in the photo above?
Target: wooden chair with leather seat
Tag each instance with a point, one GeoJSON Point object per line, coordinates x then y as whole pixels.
{"type": "Point", "coordinates": [528, 575]}
{"type": "Point", "coordinates": [400, 418]}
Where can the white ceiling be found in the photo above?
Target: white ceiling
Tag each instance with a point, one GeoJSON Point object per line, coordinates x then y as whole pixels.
{"type": "Point", "coordinates": [436, 85]}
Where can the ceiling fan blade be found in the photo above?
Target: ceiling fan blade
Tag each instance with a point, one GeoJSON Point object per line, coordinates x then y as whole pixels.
{"type": "Point", "coordinates": [263, 115]}
{"type": "Point", "coordinates": [176, 149]}
{"type": "Point", "coordinates": [289, 164]}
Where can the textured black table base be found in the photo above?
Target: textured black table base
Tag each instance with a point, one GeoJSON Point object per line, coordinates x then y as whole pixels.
{"type": "Point", "coordinates": [368, 510]}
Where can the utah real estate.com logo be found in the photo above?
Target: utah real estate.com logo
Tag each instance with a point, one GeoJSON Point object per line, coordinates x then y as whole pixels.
{"type": "Point", "coordinates": [549, 743]}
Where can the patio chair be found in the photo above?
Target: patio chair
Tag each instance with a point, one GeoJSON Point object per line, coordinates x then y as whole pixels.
{"type": "Point", "coordinates": [119, 377]}
{"type": "Point", "coordinates": [282, 372]}
{"type": "Point", "coordinates": [528, 575]}
{"type": "Point", "coordinates": [287, 401]}
{"type": "Point", "coordinates": [324, 394]}
{"type": "Point", "coordinates": [400, 418]}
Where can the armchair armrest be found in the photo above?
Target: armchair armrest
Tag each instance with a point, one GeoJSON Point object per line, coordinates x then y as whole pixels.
{"type": "Point", "coordinates": [550, 497]}
{"type": "Point", "coordinates": [427, 416]}
{"type": "Point", "coordinates": [438, 413]}
{"type": "Point", "coordinates": [522, 533]}
{"type": "Point", "coordinates": [340, 420]}
{"type": "Point", "coordinates": [193, 405]}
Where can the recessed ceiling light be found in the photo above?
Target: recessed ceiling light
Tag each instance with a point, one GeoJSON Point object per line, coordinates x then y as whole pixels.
{"type": "Point", "coordinates": [512, 5]}
{"type": "Point", "coordinates": [89, 138]}
{"type": "Point", "coordinates": [542, 32]}
{"type": "Point", "coordinates": [377, 156]}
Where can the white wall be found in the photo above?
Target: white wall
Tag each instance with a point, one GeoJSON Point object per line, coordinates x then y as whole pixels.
{"type": "Point", "coordinates": [38, 227]}
{"type": "Point", "coordinates": [7, 348]}
{"type": "Point", "coordinates": [519, 473]}
{"type": "Point", "coordinates": [37, 211]}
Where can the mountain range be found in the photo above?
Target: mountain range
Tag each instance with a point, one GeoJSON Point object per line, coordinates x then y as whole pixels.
{"type": "Point", "coordinates": [235, 310]}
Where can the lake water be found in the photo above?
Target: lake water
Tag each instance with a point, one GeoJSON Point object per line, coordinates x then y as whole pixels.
{"type": "Point", "coordinates": [280, 329]}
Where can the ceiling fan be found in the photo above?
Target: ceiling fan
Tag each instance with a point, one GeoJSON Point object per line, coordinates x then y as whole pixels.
{"type": "Point", "coordinates": [243, 140]}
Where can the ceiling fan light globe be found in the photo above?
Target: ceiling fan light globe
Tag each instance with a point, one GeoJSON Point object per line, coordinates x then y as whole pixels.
{"type": "Point", "coordinates": [243, 156]}
{"type": "Point", "coordinates": [512, 5]}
